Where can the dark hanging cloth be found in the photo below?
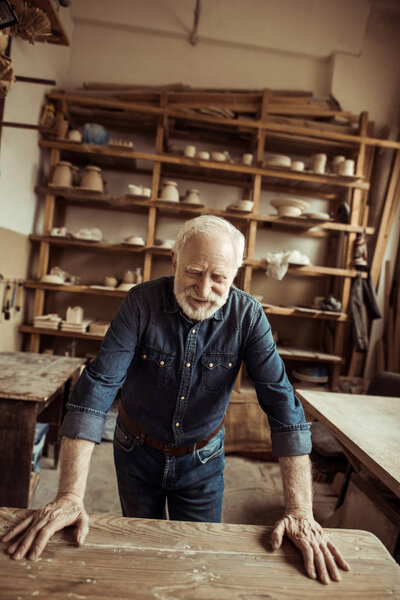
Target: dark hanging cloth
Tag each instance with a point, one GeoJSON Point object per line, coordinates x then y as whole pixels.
{"type": "Point", "coordinates": [362, 293]}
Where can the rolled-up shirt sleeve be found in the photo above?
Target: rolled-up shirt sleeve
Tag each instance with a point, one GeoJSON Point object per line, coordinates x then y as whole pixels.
{"type": "Point", "coordinates": [290, 433]}
{"type": "Point", "coordinates": [100, 381]}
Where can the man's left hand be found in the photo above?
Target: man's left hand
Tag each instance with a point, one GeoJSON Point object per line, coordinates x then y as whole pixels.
{"type": "Point", "coordinates": [320, 555]}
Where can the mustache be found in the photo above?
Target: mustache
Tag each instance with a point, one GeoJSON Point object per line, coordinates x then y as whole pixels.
{"type": "Point", "coordinates": [212, 297]}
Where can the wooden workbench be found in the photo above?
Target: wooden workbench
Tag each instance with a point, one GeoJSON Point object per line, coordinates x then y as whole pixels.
{"type": "Point", "coordinates": [170, 560]}
{"type": "Point", "coordinates": [33, 388]}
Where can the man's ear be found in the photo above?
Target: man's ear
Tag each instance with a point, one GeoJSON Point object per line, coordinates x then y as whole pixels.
{"type": "Point", "coordinates": [173, 259]}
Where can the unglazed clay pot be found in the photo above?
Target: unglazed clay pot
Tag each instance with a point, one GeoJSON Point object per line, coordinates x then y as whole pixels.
{"type": "Point", "coordinates": [92, 179]}
{"type": "Point", "coordinates": [62, 175]}
{"type": "Point", "coordinates": [170, 191]}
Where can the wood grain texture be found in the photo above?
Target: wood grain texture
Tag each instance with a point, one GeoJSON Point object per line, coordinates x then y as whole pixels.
{"type": "Point", "coordinates": [367, 426]}
{"type": "Point", "coordinates": [34, 377]}
{"type": "Point", "coordinates": [170, 560]}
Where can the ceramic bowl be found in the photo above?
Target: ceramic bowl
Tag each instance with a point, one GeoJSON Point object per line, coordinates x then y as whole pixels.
{"type": "Point", "coordinates": [289, 207]}
{"type": "Point", "coordinates": [135, 240]}
{"type": "Point", "coordinates": [218, 156]}
{"type": "Point", "coordinates": [277, 160]}
{"type": "Point", "coordinates": [242, 205]}
{"type": "Point", "coordinates": [52, 279]}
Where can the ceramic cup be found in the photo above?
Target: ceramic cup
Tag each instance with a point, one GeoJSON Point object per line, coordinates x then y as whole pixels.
{"type": "Point", "coordinates": [170, 191]}
{"type": "Point", "coordinates": [336, 162]}
{"type": "Point", "coordinates": [192, 196]}
{"type": "Point", "coordinates": [203, 155]}
{"type": "Point", "coordinates": [190, 150]}
{"type": "Point", "coordinates": [218, 156]}
{"type": "Point", "coordinates": [146, 191]}
{"type": "Point", "coordinates": [74, 135]}
{"type": "Point", "coordinates": [247, 159]}
{"type": "Point", "coordinates": [319, 163]}
{"type": "Point", "coordinates": [129, 277]}
{"type": "Point", "coordinates": [110, 281]}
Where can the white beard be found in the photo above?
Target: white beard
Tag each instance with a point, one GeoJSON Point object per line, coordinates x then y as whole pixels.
{"type": "Point", "coordinates": [201, 313]}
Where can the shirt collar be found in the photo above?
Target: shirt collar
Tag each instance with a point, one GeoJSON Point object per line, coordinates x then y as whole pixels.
{"type": "Point", "coordinates": [172, 306]}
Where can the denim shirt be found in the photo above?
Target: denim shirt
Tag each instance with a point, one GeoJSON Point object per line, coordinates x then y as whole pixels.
{"type": "Point", "coordinates": [177, 375]}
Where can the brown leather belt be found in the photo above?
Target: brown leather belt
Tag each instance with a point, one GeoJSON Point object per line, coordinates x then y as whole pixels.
{"type": "Point", "coordinates": [179, 451]}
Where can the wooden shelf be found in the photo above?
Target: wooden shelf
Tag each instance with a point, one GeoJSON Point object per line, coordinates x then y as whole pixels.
{"type": "Point", "coordinates": [288, 353]}
{"type": "Point", "coordinates": [308, 270]}
{"type": "Point", "coordinates": [122, 159]}
{"type": "Point", "coordinates": [59, 35]}
{"type": "Point", "coordinates": [94, 246]}
{"type": "Point", "coordinates": [130, 204]}
{"type": "Point", "coordinates": [74, 289]}
{"type": "Point", "coordinates": [59, 333]}
{"type": "Point", "coordinates": [305, 313]}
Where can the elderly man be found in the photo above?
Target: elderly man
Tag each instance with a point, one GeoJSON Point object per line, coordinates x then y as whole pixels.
{"type": "Point", "coordinates": [175, 348]}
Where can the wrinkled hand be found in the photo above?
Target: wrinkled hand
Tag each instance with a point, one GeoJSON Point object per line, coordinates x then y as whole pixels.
{"type": "Point", "coordinates": [33, 533]}
{"type": "Point", "coordinates": [320, 555]}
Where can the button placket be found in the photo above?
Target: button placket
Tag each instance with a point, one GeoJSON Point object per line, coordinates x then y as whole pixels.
{"type": "Point", "coordinates": [184, 384]}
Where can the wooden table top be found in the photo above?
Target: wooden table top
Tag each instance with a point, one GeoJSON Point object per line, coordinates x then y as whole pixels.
{"type": "Point", "coordinates": [34, 377]}
{"type": "Point", "coordinates": [171, 560]}
{"type": "Point", "coordinates": [368, 426]}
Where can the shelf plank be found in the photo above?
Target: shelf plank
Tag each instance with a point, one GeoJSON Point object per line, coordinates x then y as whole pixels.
{"type": "Point", "coordinates": [74, 289]}
{"type": "Point", "coordinates": [309, 313]}
{"type": "Point", "coordinates": [59, 333]}
{"type": "Point", "coordinates": [309, 270]}
{"type": "Point", "coordinates": [128, 204]}
{"type": "Point", "coordinates": [95, 246]}
{"type": "Point", "coordinates": [326, 180]}
{"type": "Point", "coordinates": [289, 353]}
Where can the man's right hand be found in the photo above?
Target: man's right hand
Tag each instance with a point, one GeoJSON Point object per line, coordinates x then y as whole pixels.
{"type": "Point", "coordinates": [29, 538]}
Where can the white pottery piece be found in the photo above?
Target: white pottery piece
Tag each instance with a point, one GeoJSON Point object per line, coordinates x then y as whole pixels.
{"type": "Point", "coordinates": [297, 165]}
{"type": "Point", "coordinates": [170, 191]}
{"type": "Point", "coordinates": [203, 155]}
{"type": "Point", "coordinates": [92, 179]}
{"type": "Point", "coordinates": [74, 314]}
{"type": "Point", "coordinates": [192, 196]}
{"type": "Point", "coordinates": [110, 281]}
{"type": "Point", "coordinates": [190, 151]}
{"type": "Point", "coordinates": [346, 167]}
{"type": "Point", "coordinates": [319, 163]}
{"type": "Point", "coordinates": [62, 175]}
{"type": "Point", "coordinates": [247, 159]}
{"type": "Point", "coordinates": [74, 135]}
{"type": "Point", "coordinates": [289, 207]}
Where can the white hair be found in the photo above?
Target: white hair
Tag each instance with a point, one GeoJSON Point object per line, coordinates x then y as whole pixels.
{"type": "Point", "coordinates": [210, 226]}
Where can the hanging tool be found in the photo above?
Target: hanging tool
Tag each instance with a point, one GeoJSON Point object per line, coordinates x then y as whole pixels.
{"type": "Point", "coordinates": [18, 298]}
{"type": "Point", "coordinates": [7, 301]}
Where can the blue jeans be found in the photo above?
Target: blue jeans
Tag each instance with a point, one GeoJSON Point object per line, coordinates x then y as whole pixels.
{"type": "Point", "coordinates": [192, 485]}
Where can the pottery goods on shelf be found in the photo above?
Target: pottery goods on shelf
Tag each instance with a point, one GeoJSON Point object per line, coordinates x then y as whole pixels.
{"type": "Point", "coordinates": [139, 190]}
{"type": "Point", "coordinates": [170, 192]}
{"type": "Point", "coordinates": [190, 151]}
{"type": "Point", "coordinates": [52, 279]}
{"type": "Point", "coordinates": [241, 206]}
{"type": "Point", "coordinates": [289, 207]}
{"type": "Point", "coordinates": [277, 160]}
{"type": "Point", "coordinates": [59, 231]}
{"type": "Point", "coordinates": [129, 277]}
{"type": "Point", "coordinates": [319, 163]}
{"type": "Point", "coordinates": [62, 175]}
{"type": "Point", "coordinates": [203, 155]}
{"type": "Point", "coordinates": [336, 162]}
{"type": "Point", "coordinates": [318, 216]}
{"type": "Point", "coordinates": [192, 196]}
{"type": "Point", "coordinates": [92, 179]}
{"type": "Point", "coordinates": [76, 327]}
{"type": "Point", "coordinates": [92, 235]}
{"type": "Point", "coordinates": [218, 156]}
{"type": "Point", "coordinates": [247, 159]}
{"type": "Point", "coordinates": [110, 281]}
{"type": "Point", "coordinates": [346, 167]}
{"type": "Point", "coordinates": [297, 165]}
{"type": "Point", "coordinates": [74, 135]}
{"type": "Point", "coordinates": [134, 240]}
{"type": "Point", "coordinates": [125, 286]}
{"type": "Point", "coordinates": [93, 133]}
{"type": "Point", "coordinates": [49, 321]}
{"type": "Point", "coordinates": [99, 327]}
{"type": "Point", "coordinates": [164, 243]}
{"type": "Point", "coordinates": [121, 143]}
{"type": "Point", "coordinates": [74, 314]}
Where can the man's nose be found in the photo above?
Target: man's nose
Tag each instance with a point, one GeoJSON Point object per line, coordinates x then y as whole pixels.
{"type": "Point", "coordinates": [204, 287]}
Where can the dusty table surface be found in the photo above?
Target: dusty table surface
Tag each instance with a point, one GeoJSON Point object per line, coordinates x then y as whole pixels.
{"type": "Point", "coordinates": [170, 560]}
{"type": "Point", "coordinates": [367, 426]}
{"type": "Point", "coordinates": [31, 376]}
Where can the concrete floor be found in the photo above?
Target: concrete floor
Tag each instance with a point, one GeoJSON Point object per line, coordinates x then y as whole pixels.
{"type": "Point", "coordinates": [253, 489]}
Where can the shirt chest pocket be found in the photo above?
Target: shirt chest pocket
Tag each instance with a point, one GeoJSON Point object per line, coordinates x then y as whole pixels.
{"type": "Point", "coordinates": [154, 365]}
{"type": "Point", "coordinates": [218, 371]}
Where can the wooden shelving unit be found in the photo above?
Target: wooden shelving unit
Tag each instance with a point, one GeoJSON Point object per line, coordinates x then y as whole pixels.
{"type": "Point", "coordinates": [256, 122]}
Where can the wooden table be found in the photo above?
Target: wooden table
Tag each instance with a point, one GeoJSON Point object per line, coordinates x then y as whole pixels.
{"type": "Point", "coordinates": [171, 560]}
{"type": "Point", "coordinates": [367, 426]}
{"type": "Point", "coordinates": [32, 388]}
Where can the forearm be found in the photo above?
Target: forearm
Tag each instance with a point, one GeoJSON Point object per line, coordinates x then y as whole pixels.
{"type": "Point", "coordinates": [297, 484]}
{"type": "Point", "coordinates": [75, 461]}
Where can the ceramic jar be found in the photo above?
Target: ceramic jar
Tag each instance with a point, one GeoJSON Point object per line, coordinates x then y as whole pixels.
{"type": "Point", "coordinates": [247, 159]}
{"type": "Point", "coordinates": [346, 167]}
{"type": "Point", "coordinates": [319, 163]}
{"type": "Point", "coordinates": [74, 135]}
{"type": "Point", "coordinates": [297, 165]}
{"type": "Point", "coordinates": [92, 179]}
{"type": "Point", "coordinates": [170, 191]}
{"type": "Point", "coordinates": [190, 150]}
{"type": "Point", "coordinates": [336, 161]}
{"type": "Point", "coordinates": [62, 175]}
{"type": "Point", "coordinates": [192, 196]}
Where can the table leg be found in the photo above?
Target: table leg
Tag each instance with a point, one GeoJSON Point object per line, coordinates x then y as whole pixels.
{"type": "Point", "coordinates": [17, 433]}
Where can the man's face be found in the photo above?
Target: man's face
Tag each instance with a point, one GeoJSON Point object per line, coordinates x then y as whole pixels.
{"type": "Point", "coordinates": [204, 272]}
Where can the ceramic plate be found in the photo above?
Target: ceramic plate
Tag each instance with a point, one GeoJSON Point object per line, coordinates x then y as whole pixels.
{"type": "Point", "coordinates": [295, 202]}
{"type": "Point", "coordinates": [316, 216]}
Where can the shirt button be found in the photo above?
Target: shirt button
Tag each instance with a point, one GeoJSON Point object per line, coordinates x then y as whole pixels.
{"type": "Point", "coordinates": [188, 365]}
{"type": "Point", "coordinates": [177, 424]}
{"type": "Point", "coordinates": [211, 365]}
{"type": "Point", "coordinates": [182, 397]}
{"type": "Point", "coordinates": [193, 331]}
{"type": "Point", "coordinates": [230, 364]}
{"type": "Point", "coordinates": [144, 356]}
{"type": "Point", "coordinates": [162, 363]}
